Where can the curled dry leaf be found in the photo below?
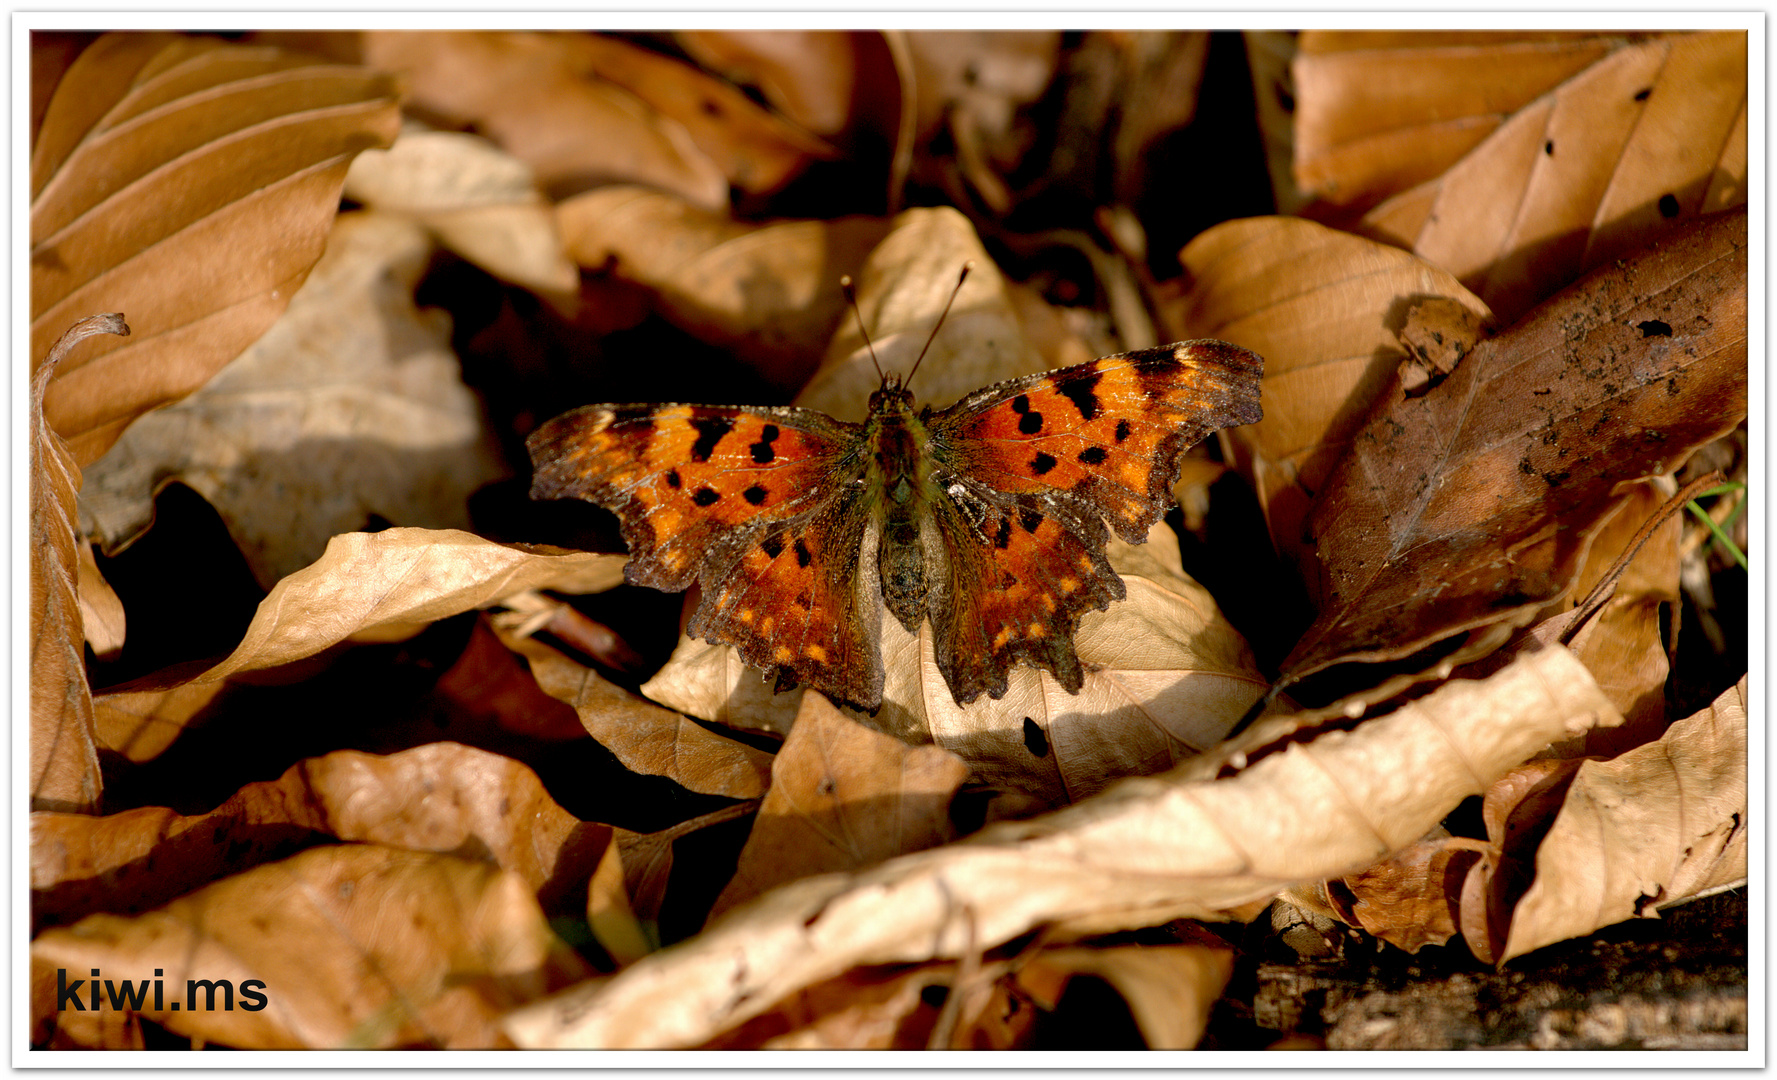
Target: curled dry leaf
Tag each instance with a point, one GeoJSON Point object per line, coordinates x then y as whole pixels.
{"type": "Point", "coordinates": [191, 184]}
{"type": "Point", "coordinates": [819, 79]}
{"type": "Point", "coordinates": [352, 407]}
{"type": "Point", "coordinates": [442, 797]}
{"type": "Point", "coordinates": [1409, 899]}
{"type": "Point", "coordinates": [1588, 173]}
{"type": "Point", "coordinates": [349, 946]}
{"type": "Point", "coordinates": [1473, 505]}
{"type": "Point", "coordinates": [64, 763]}
{"type": "Point", "coordinates": [1359, 139]}
{"type": "Point", "coordinates": [769, 293]}
{"type": "Point", "coordinates": [480, 201]}
{"type": "Point", "coordinates": [1324, 309]}
{"type": "Point", "coordinates": [645, 737]}
{"type": "Point", "coordinates": [101, 610]}
{"type": "Point", "coordinates": [1166, 676]}
{"type": "Point", "coordinates": [1170, 989]}
{"type": "Point", "coordinates": [538, 97]}
{"type": "Point", "coordinates": [1145, 851]}
{"type": "Point", "coordinates": [1660, 824]}
{"type": "Point", "coordinates": [388, 585]}
{"type": "Point", "coordinates": [843, 797]}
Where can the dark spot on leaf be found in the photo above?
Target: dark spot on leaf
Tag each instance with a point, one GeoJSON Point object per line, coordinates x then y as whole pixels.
{"type": "Point", "coordinates": [705, 497]}
{"type": "Point", "coordinates": [1555, 479]}
{"type": "Point", "coordinates": [1093, 455]}
{"type": "Point", "coordinates": [1034, 739]}
{"type": "Point", "coordinates": [1668, 206]}
{"type": "Point", "coordinates": [1549, 147]}
{"type": "Point", "coordinates": [1654, 328]}
{"type": "Point", "coordinates": [1641, 95]}
{"type": "Point", "coordinates": [1042, 463]}
{"type": "Point", "coordinates": [755, 495]}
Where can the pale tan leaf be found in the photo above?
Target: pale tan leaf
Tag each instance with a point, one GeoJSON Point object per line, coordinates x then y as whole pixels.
{"type": "Point", "coordinates": [1166, 676]}
{"type": "Point", "coordinates": [352, 407]}
{"type": "Point", "coordinates": [64, 763]}
{"type": "Point", "coordinates": [1144, 852]}
{"type": "Point", "coordinates": [645, 737]}
{"type": "Point", "coordinates": [480, 202]}
{"type": "Point", "coordinates": [843, 797]}
{"type": "Point", "coordinates": [101, 611]}
{"type": "Point", "coordinates": [194, 196]}
{"type": "Point", "coordinates": [609, 913]}
{"type": "Point", "coordinates": [1360, 139]}
{"type": "Point", "coordinates": [1586, 174]}
{"type": "Point", "coordinates": [1660, 824]}
{"type": "Point", "coordinates": [441, 797]}
{"type": "Point", "coordinates": [390, 584]}
{"type": "Point", "coordinates": [1170, 989]}
{"type": "Point", "coordinates": [1324, 309]}
{"type": "Point", "coordinates": [811, 76]}
{"type": "Point", "coordinates": [537, 97]}
{"type": "Point", "coordinates": [350, 946]}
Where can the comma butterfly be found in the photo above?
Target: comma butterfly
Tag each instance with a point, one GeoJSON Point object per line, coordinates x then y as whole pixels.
{"type": "Point", "coordinates": [987, 517]}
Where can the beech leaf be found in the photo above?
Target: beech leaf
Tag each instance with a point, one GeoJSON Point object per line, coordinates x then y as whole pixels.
{"type": "Point", "coordinates": [1474, 504]}
{"type": "Point", "coordinates": [1141, 853]}
{"type": "Point", "coordinates": [350, 408]}
{"type": "Point", "coordinates": [351, 946]}
{"type": "Point", "coordinates": [191, 184]}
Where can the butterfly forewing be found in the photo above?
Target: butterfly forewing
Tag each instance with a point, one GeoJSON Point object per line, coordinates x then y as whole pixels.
{"type": "Point", "coordinates": [1111, 432]}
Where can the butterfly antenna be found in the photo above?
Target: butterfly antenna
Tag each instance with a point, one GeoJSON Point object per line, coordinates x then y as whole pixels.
{"type": "Point", "coordinates": [960, 278]}
{"type": "Point", "coordinates": [851, 297]}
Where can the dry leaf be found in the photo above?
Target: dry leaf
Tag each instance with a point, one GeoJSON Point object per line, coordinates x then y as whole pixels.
{"type": "Point", "coordinates": [645, 737]}
{"type": "Point", "coordinates": [190, 184]}
{"type": "Point", "coordinates": [843, 797]}
{"type": "Point", "coordinates": [768, 293]}
{"type": "Point", "coordinates": [101, 611]}
{"type": "Point", "coordinates": [1166, 676]}
{"type": "Point", "coordinates": [536, 95]}
{"type": "Point", "coordinates": [64, 763]}
{"type": "Point", "coordinates": [1409, 899]}
{"type": "Point", "coordinates": [388, 585]}
{"type": "Point", "coordinates": [1596, 169]}
{"type": "Point", "coordinates": [479, 201]}
{"type": "Point", "coordinates": [817, 78]}
{"type": "Point", "coordinates": [1359, 139]}
{"type": "Point", "coordinates": [868, 1009]}
{"type": "Point", "coordinates": [1170, 989]}
{"type": "Point", "coordinates": [1146, 851]}
{"type": "Point", "coordinates": [1324, 309]}
{"type": "Point", "coordinates": [441, 797]}
{"type": "Point", "coordinates": [1660, 824]}
{"type": "Point", "coordinates": [351, 408]}
{"type": "Point", "coordinates": [350, 946]}
{"type": "Point", "coordinates": [1473, 504]}
{"type": "Point", "coordinates": [609, 914]}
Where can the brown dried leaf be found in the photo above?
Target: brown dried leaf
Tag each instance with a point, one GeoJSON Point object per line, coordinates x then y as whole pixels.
{"type": "Point", "coordinates": [817, 78]}
{"type": "Point", "coordinates": [769, 293]}
{"type": "Point", "coordinates": [64, 763]}
{"type": "Point", "coordinates": [190, 184]}
{"type": "Point", "coordinates": [101, 610]}
{"type": "Point", "coordinates": [1360, 139]}
{"type": "Point", "coordinates": [1587, 174]}
{"type": "Point", "coordinates": [352, 946]}
{"type": "Point", "coordinates": [1170, 989]}
{"type": "Point", "coordinates": [388, 585]}
{"type": "Point", "coordinates": [538, 97]}
{"type": "Point", "coordinates": [480, 202]}
{"type": "Point", "coordinates": [867, 1009]}
{"type": "Point", "coordinates": [843, 797]}
{"type": "Point", "coordinates": [1146, 851]}
{"type": "Point", "coordinates": [645, 737]}
{"type": "Point", "coordinates": [441, 797]}
{"type": "Point", "coordinates": [1166, 676]}
{"type": "Point", "coordinates": [1660, 824]}
{"type": "Point", "coordinates": [1324, 309]}
{"type": "Point", "coordinates": [1516, 458]}
{"type": "Point", "coordinates": [351, 407]}
{"type": "Point", "coordinates": [1411, 898]}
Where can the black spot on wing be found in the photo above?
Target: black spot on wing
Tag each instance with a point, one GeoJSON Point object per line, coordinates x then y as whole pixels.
{"type": "Point", "coordinates": [1028, 422]}
{"type": "Point", "coordinates": [705, 497]}
{"type": "Point", "coordinates": [1083, 393]}
{"type": "Point", "coordinates": [1122, 430]}
{"type": "Point", "coordinates": [755, 495]}
{"type": "Point", "coordinates": [773, 546]}
{"type": "Point", "coordinates": [1157, 370]}
{"type": "Point", "coordinates": [1003, 537]}
{"type": "Point", "coordinates": [1092, 455]}
{"type": "Point", "coordinates": [710, 431]}
{"type": "Point", "coordinates": [1030, 519]}
{"type": "Point", "coordinates": [1042, 463]}
{"type": "Point", "coordinates": [763, 454]}
{"type": "Point", "coordinates": [672, 478]}
{"type": "Point", "coordinates": [803, 555]}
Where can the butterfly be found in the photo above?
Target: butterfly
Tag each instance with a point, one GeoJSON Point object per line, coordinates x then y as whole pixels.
{"type": "Point", "coordinates": [987, 517]}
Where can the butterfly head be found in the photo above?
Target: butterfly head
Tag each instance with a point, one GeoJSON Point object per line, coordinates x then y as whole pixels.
{"type": "Point", "coordinates": [893, 396]}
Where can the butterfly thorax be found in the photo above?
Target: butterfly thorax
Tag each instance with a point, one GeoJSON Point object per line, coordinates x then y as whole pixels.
{"type": "Point", "coordinates": [899, 476]}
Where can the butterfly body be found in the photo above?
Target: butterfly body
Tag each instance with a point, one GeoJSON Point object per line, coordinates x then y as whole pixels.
{"type": "Point", "coordinates": [986, 518]}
